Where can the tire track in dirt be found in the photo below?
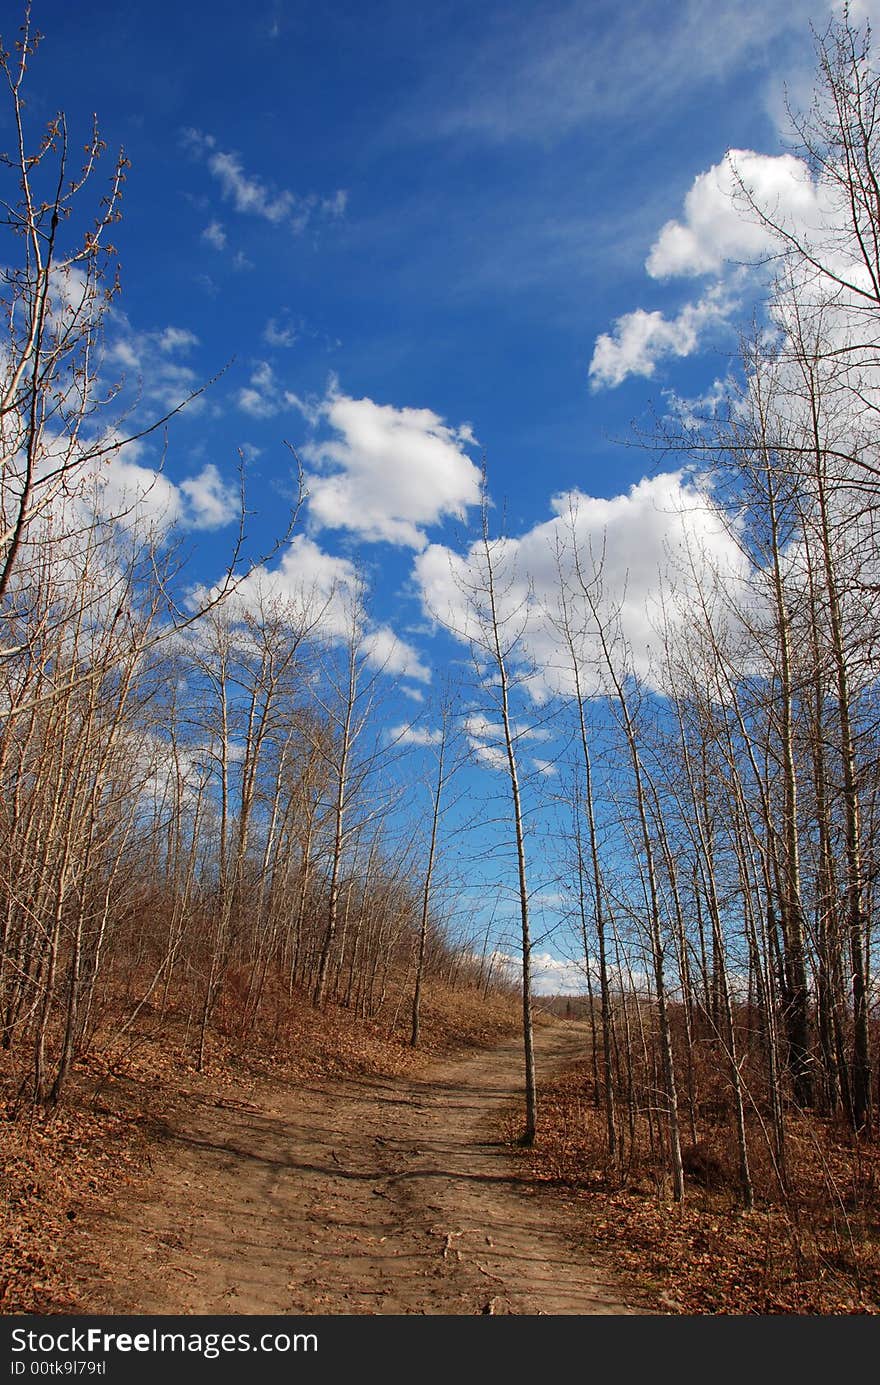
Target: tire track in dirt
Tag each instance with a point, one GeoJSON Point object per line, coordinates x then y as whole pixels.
{"type": "Point", "coordinates": [391, 1196]}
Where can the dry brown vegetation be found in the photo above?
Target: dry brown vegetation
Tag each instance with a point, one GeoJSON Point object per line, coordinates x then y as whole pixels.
{"type": "Point", "coordinates": [55, 1162]}
{"type": "Point", "coordinates": [816, 1251]}
{"type": "Point", "coordinates": [214, 860]}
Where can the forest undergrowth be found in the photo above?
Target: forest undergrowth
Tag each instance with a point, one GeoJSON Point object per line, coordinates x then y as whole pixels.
{"type": "Point", "coordinates": [814, 1249]}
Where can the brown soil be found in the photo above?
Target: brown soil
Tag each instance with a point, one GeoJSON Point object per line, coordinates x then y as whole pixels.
{"type": "Point", "coordinates": [373, 1196]}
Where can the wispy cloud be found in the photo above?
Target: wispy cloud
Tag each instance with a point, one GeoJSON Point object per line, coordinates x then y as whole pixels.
{"type": "Point", "coordinates": [152, 361]}
{"type": "Point", "coordinates": [251, 195]}
{"type": "Point", "coordinates": [214, 235]}
{"type": "Point", "coordinates": [264, 396]}
{"type": "Point", "coordinates": [279, 332]}
{"type": "Point", "coordinates": [539, 72]}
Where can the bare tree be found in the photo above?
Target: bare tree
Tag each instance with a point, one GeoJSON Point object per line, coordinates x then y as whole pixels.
{"type": "Point", "coordinates": [447, 760]}
{"type": "Point", "coordinates": [493, 622]}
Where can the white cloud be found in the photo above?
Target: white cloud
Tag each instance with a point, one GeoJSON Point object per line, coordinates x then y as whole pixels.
{"type": "Point", "coordinates": [279, 333]}
{"type": "Point", "coordinates": [247, 193]}
{"type": "Point", "coordinates": [492, 756]}
{"type": "Point", "coordinates": [259, 398]}
{"type": "Point", "coordinates": [727, 225]}
{"type": "Point", "coordinates": [545, 767]}
{"type": "Point", "coordinates": [485, 740]}
{"type": "Point", "coordinates": [553, 976]}
{"type": "Point", "coordinates": [321, 589]}
{"type": "Point", "coordinates": [661, 533]}
{"type": "Point", "coordinates": [151, 357]}
{"type": "Point", "coordinates": [211, 503]}
{"type": "Point", "coordinates": [336, 205]}
{"type": "Point", "coordinates": [176, 339]}
{"type": "Point", "coordinates": [746, 210]}
{"type": "Point", "coordinates": [477, 726]}
{"type": "Point", "coordinates": [858, 10]}
{"type": "Point", "coordinates": [414, 735]}
{"type": "Point", "coordinates": [388, 472]}
{"type": "Point", "coordinates": [133, 494]}
{"type": "Point", "coordinates": [388, 652]}
{"type": "Point", "coordinates": [264, 396]}
{"type": "Point", "coordinates": [550, 975]}
{"type": "Point", "coordinates": [309, 580]}
{"type": "Point", "coordinates": [385, 473]}
{"type": "Point", "coordinates": [250, 195]}
{"type": "Point", "coordinates": [640, 339]}
{"type": "Point", "coordinates": [215, 235]}
{"type": "Point", "coordinates": [487, 743]}
{"type": "Point", "coordinates": [121, 487]}
{"type": "Point", "coordinates": [109, 477]}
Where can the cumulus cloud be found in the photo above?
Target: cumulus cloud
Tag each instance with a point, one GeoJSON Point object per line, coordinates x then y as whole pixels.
{"type": "Point", "coordinates": [315, 584]}
{"type": "Point", "coordinates": [317, 590]}
{"type": "Point", "coordinates": [414, 735]}
{"type": "Point", "coordinates": [662, 534]}
{"type": "Point", "coordinates": [737, 215]}
{"type": "Point", "coordinates": [727, 226]}
{"type": "Point", "coordinates": [387, 472]}
{"type": "Point", "coordinates": [137, 495]}
{"type": "Point", "coordinates": [550, 975]}
{"type": "Point", "coordinates": [111, 479]}
{"type": "Point", "coordinates": [210, 502]}
{"type": "Point", "coordinates": [640, 339]}
{"type": "Point", "coordinates": [383, 473]}
{"type": "Point", "coordinates": [719, 224]}
{"type": "Point", "coordinates": [387, 651]}
{"type": "Point", "coordinates": [134, 494]}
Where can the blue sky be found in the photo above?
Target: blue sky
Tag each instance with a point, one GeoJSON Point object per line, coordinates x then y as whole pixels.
{"type": "Point", "coordinates": [402, 229]}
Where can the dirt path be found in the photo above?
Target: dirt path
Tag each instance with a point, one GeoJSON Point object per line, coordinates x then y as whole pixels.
{"type": "Point", "coordinates": [389, 1196]}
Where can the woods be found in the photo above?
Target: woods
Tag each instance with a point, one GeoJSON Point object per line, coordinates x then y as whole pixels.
{"type": "Point", "coordinates": [204, 810]}
{"type": "Point", "coordinates": [196, 789]}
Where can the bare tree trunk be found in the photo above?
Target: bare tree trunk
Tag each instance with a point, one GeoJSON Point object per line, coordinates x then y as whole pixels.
{"type": "Point", "coordinates": [436, 801]}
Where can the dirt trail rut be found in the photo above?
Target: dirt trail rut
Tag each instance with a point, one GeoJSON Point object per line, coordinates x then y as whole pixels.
{"type": "Point", "coordinates": [374, 1196]}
